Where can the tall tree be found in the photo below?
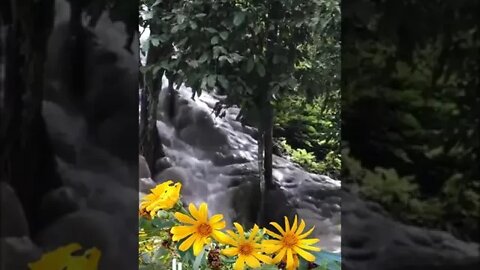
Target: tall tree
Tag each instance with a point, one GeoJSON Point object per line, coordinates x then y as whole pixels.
{"type": "Point", "coordinates": [250, 50]}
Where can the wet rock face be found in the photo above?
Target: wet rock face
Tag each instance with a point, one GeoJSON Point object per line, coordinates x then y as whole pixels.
{"type": "Point", "coordinates": [143, 169]}
{"type": "Point", "coordinates": [16, 224]}
{"type": "Point", "coordinates": [215, 159]}
{"type": "Point", "coordinates": [17, 252]}
{"type": "Point", "coordinates": [226, 177]}
{"type": "Point", "coordinates": [407, 247]}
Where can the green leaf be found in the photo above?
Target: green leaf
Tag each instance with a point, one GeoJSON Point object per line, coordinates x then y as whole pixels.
{"type": "Point", "coordinates": [193, 25]}
{"type": "Point", "coordinates": [203, 58]}
{"type": "Point", "coordinates": [214, 40]}
{"type": "Point", "coordinates": [157, 2]}
{"type": "Point", "coordinates": [199, 259]}
{"type": "Point", "coordinates": [250, 65]}
{"type": "Point", "coordinates": [211, 80]}
{"type": "Point", "coordinates": [223, 81]}
{"type": "Point", "coordinates": [279, 59]}
{"type": "Point", "coordinates": [181, 18]}
{"type": "Point", "coordinates": [145, 69]}
{"type": "Point", "coordinates": [162, 223]}
{"type": "Point", "coordinates": [155, 41]}
{"type": "Point", "coordinates": [260, 70]}
{"type": "Point", "coordinates": [211, 30]}
{"type": "Point", "coordinates": [156, 69]}
{"type": "Point", "coordinates": [175, 29]}
{"type": "Point", "coordinates": [224, 35]}
{"type": "Point", "coordinates": [238, 18]}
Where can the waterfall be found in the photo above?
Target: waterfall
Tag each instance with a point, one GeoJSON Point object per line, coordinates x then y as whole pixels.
{"type": "Point", "coordinates": [216, 159]}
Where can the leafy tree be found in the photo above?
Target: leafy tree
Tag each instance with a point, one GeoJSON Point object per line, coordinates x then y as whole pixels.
{"type": "Point", "coordinates": [254, 51]}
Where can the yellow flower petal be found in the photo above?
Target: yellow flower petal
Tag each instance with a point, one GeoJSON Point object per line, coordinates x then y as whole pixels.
{"type": "Point", "coordinates": [290, 261]}
{"type": "Point", "coordinates": [193, 211]}
{"type": "Point", "coordinates": [306, 234]}
{"type": "Point", "coordinates": [203, 212]}
{"type": "Point", "coordinates": [279, 257]}
{"type": "Point", "coordinates": [216, 218]}
{"type": "Point", "coordinates": [306, 255]}
{"type": "Point", "coordinates": [278, 227]}
{"type": "Point", "coordinates": [233, 251]}
{"type": "Point", "coordinates": [301, 227]}
{"type": "Point", "coordinates": [187, 243]}
{"type": "Point", "coordinates": [221, 237]}
{"type": "Point", "coordinates": [239, 264]}
{"type": "Point", "coordinates": [179, 236]}
{"type": "Point", "coordinates": [309, 241]}
{"type": "Point", "coordinates": [219, 225]}
{"type": "Point", "coordinates": [294, 226]}
{"type": "Point", "coordinates": [241, 232]}
{"type": "Point", "coordinates": [263, 258]}
{"type": "Point", "coordinates": [312, 248]}
{"type": "Point", "coordinates": [197, 246]}
{"type": "Point", "coordinates": [252, 262]}
{"type": "Point", "coordinates": [272, 234]}
{"type": "Point", "coordinates": [272, 242]}
{"type": "Point", "coordinates": [233, 235]}
{"type": "Point", "coordinates": [184, 218]}
{"type": "Point", "coordinates": [254, 232]}
{"type": "Point", "coordinates": [182, 229]}
{"type": "Point", "coordinates": [287, 225]}
{"type": "Point", "coordinates": [271, 248]}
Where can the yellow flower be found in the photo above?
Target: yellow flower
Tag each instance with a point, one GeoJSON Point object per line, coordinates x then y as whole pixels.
{"type": "Point", "coordinates": [163, 196]}
{"type": "Point", "coordinates": [290, 242]}
{"type": "Point", "coordinates": [247, 249]}
{"type": "Point", "coordinates": [199, 228]}
{"type": "Point", "coordinates": [62, 258]}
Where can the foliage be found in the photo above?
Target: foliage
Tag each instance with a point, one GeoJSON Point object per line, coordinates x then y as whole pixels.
{"type": "Point", "coordinates": [329, 166]}
{"type": "Point", "coordinates": [157, 247]}
{"type": "Point", "coordinates": [410, 103]}
{"type": "Point", "coordinates": [310, 133]}
{"type": "Point", "coordinates": [255, 52]}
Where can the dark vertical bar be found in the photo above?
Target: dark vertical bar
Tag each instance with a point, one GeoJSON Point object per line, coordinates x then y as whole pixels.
{"type": "Point", "coordinates": [69, 134]}
{"type": "Point", "coordinates": [410, 134]}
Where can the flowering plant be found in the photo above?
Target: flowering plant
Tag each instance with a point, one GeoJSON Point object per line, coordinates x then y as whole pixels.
{"type": "Point", "coordinates": [170, 232]}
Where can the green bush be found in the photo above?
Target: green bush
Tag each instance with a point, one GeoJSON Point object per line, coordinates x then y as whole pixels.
{"type": "Point", "coordinates": [310, 133]}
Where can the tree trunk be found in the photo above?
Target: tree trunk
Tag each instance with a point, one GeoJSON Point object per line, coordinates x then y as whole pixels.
{"type": "Point", "coordinates": [260, 152]}
{"type": "Point", "coordinates": [26, 156]}
{"type": "Point", "coordinates": [150, 144]}
{"type": "Point", "coordinates": [268, 144]}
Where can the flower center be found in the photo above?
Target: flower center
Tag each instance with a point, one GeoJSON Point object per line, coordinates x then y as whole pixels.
{"type": "Point", "coordinates": [245, 249]}
{"type": "Point", "coordinates": [290, 240]}
{"type": "Point", "coordinates": [204, 229]}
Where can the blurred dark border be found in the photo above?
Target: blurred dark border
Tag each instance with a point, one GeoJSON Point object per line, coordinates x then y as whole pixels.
{"type": "Point", "coordinates": [69, 129]}
{"type": "Point", "coordinates": [410, 134]}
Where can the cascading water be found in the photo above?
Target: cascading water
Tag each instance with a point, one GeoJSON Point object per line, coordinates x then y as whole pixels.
{"type": "Point", "coordinates": [215, 158]}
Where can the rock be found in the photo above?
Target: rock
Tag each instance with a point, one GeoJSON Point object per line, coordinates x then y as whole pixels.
{"type": "Point", "coordinates": [176, 174]}
{"type": "Point", "coordinates": [162, 164]}
{"type": "Point", "coordinates": [91, 228]}
{"type": "Point", "coordinates": [60, 202]}
{"type": "Point", "coordinates": [374, 241]}
{"type": "Point", "coordinates": [277, 206]}
{"type": "Point", "coordinates": [143, 169]}
{"type": "Point", "coordinates": [17, 252]}
{"type": "Point", "coordinates": [146, 184]}
{"type": "Point", "coordinates": [197, 136]}
{"type": "Point", "coordinates": [16, 225]}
